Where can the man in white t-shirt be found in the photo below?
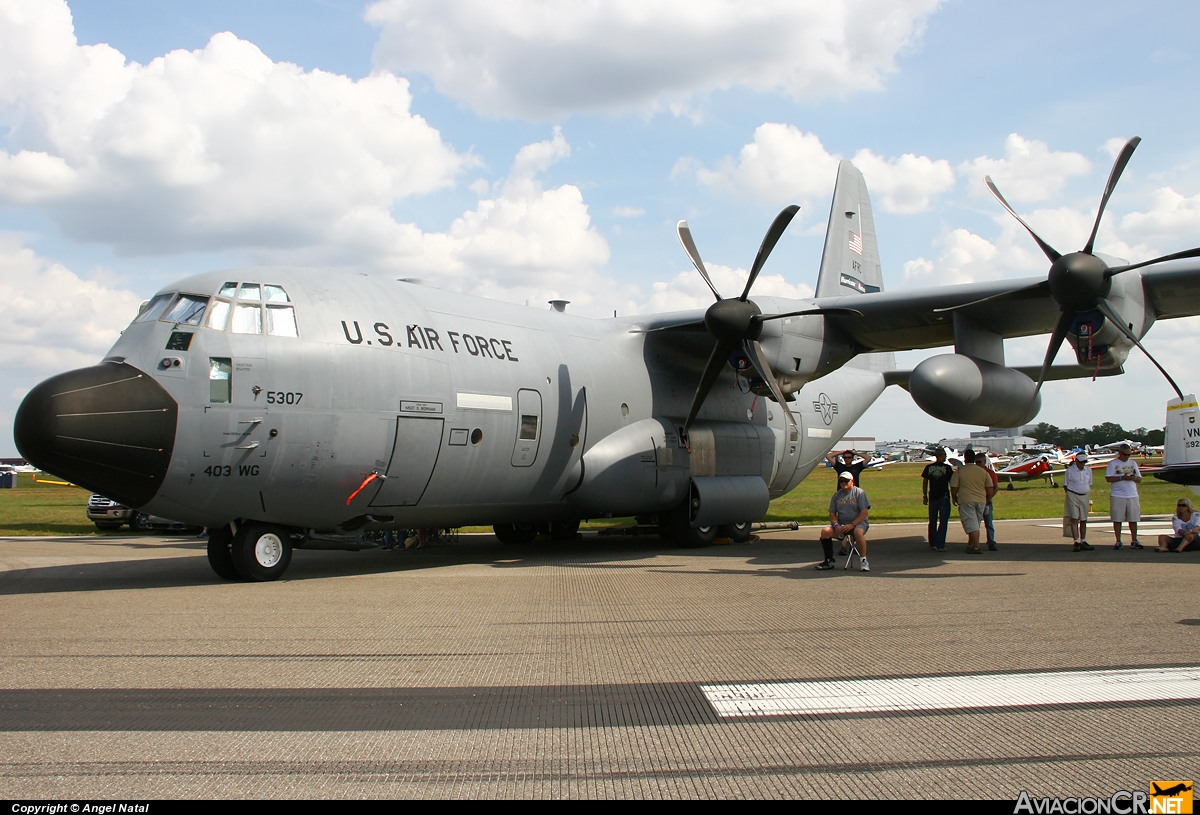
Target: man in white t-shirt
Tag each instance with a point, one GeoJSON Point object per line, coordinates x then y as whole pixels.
{"type": "Point", "coordinates": [1124, 476]}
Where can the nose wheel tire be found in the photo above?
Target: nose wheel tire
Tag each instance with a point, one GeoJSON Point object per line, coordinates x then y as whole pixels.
{"type": "Point", "coordinates": [738, 533]}
{"type": "Point", "coordinates": [261, 552]}
{"type": "Point", "coordinates": [220, 553]}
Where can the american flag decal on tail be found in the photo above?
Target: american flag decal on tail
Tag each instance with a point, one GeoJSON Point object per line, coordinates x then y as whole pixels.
{"type": "Point", "coordinates": [855, 243]}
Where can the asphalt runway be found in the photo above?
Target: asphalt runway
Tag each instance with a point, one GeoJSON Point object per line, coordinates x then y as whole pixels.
{"type": "Point", "coordinates": [606, 667]}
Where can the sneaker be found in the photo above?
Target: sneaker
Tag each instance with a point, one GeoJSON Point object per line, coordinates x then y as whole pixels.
{"type": "Point", "coordinates": [939, 549]}
{"type": "Point", "coordinates": [1077, 549]}
{"type": "Point", "coordinates": [845, 550]}
{"type": "Point", "coordinates": [1136, 545]}
{"type": "Point", "coordinates": [863, 565]}
{"type": "Point", "coordinates": [825, 565]}
{"type": "Point", "coordinates": [1118, 545]}
{"type": "Point", "coordinates": [974, 550]}
{"type": "Point", "coordinates": [1083, 546]}
{"type": "Point", "coordinates": [992, 547]}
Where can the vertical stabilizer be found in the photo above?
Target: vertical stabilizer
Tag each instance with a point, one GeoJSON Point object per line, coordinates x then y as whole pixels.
{"type": "Point", "coordinates": [850, 263]}
{"type": "Point", "coordinates": [1182, 443]}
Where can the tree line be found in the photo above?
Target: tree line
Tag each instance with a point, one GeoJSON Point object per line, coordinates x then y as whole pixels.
{"type": "Point", "coordinates": [1104, 433]}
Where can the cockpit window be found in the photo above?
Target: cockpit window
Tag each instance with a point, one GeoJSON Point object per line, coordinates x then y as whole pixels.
{"type": "Point", "coordinates": [228, 290]}
{"type": "Point", "coordinates": [154, 308]}
{"type": "Point", "coordinates": [249, 291]}
{"type": "Point", "coordinates": [187, 310]}
{"type": "Point", "coordinates": [247, 318]}
{"type": "Point", "coordinates": [281, 321]}
{"type": "Point", "coordinates": [218, 315]}
{"type": "Point", "coordinates": [274, 294]}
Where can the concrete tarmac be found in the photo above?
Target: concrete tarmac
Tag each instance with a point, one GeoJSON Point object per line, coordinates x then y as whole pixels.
{"type": "Point", "coordinates": [578, 670]}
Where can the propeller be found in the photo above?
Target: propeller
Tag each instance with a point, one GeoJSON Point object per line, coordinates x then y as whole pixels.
{"type": "Point", "coordinates": [736, 323]}
{"type": "Point", "coordinates": [1080, 281]}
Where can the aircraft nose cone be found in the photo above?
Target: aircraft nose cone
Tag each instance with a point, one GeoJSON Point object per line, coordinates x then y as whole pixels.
{"type": "Point", "coordinates": [109, 428]}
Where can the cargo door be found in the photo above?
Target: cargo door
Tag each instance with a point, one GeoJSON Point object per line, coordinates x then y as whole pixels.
{"type": "Point", "coordinates": [414, 454]}
{"type": "Point", "coordinates": [529, 427]}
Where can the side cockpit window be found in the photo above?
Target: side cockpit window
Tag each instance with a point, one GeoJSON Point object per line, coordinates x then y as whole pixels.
{"type": "Point", "coordinates": [249, 308]}
{"type": "Point", "coordinates": [154, 308]}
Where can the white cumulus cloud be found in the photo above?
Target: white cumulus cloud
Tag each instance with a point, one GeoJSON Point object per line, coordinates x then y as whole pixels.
{"type": "Point", "coordinates": [549, 58]}
{"type": "Point", "coordinates": [687, 289]}
{"type": "Point", "coordinates": [1029, 171]}
{"type": "Point", "coordinates": [214, 148]}
{"type": "Point", "coordinates": [785, 164]}
{"type": "Point", "coordinates": [53, 319]}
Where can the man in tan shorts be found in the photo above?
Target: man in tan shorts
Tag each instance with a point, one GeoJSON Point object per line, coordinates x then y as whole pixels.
{"type": "Point", "coordinates": [970, 488]}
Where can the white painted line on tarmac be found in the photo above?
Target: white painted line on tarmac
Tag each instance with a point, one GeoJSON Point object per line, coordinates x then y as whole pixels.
{"type": "Point", "coordinates": [954, 692]}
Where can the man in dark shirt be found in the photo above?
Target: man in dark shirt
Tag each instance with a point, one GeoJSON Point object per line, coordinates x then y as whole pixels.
{"type": "Point", "coordinates": [848, 463]}
{"type": "Point", "coordinates": [935, 493]}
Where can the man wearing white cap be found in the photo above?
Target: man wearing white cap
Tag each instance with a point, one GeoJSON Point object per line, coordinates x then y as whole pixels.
{"type": "Point", "coordinates": [848, 509]}
{"type": "Point", "coordinates": [1077, 483]}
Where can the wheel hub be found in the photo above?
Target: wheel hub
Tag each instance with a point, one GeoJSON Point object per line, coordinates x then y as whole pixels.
{"type": "Point", "coordinates": [268, 550]}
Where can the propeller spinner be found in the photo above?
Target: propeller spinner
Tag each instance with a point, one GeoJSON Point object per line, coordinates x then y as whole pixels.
{"type": "Point", "coordinates": [737, 322]}
{"type": "Point", "coordinates": [1080, 281]}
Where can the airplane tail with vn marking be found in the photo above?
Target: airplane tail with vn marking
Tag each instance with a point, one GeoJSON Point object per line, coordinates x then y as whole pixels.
{"type": "Point", "coordinates": [850, 262]}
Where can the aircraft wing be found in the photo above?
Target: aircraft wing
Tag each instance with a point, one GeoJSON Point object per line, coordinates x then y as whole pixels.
{"type": "Point", "coordinates": [906, 319]}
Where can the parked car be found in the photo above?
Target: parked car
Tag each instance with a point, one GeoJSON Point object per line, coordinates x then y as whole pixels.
{"type": "Point", "coordinates": [108, 514]}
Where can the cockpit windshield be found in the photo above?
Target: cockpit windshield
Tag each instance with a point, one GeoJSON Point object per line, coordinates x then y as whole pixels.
{"type": "Point", "coordinates": [253, 308]}
{"type": "Point", "coordinates": [187, 310]}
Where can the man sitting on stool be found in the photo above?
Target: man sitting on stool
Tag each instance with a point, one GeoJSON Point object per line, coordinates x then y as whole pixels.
{"type": "Point", "coordinates": [847, 514]}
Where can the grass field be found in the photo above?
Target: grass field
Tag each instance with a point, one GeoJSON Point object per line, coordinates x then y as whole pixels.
{"type": "Point", "coordinates": [895, 493]}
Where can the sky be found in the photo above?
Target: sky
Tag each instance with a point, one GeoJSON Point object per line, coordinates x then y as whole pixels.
{"type": "Point", "coordinates": [535, 149]}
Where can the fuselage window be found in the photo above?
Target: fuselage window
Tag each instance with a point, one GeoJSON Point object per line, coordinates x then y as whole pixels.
{"type": "Point", "coordinates": [187, 310]}
{"type": "Point", "coordinates": [218, 315]}
{"type": "Point", "coordinates": [247, 319]}
{"type": "Point", "coordinates": [154, 308]}
{"type": "Point", "coordinates": [275, 294]}
{"type": "Point", "coordinates": [528, 427]}
{"type": "Point", "coordinates": [220, 379]}
{"type": "Point", "coordinates": [249, 291]}
{"type": "Point", "coordinates": [228, 290]}
{"type": "Point", "coordinates": [281, 321]}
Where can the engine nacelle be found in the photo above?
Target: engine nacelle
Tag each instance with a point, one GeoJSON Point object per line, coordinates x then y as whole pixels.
{"type": "Point", "coordinates": [965, 390]}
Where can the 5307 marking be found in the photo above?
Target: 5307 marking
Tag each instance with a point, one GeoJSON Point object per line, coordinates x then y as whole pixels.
{"type": "Point", "coordinates": [284, 397]}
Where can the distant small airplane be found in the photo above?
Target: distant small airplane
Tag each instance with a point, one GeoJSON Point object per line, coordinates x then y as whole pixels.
{"type": "Point", "coordinates": [1170, 791]}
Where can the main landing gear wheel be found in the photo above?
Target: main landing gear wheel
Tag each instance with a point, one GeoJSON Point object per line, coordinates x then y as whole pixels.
{"type": "Point", "coordinates": [515, 533]}
{"type": "Point", "coordinates": [564, 530]}
{"type": "Point", "coordinates": [738, 533]}
{"type": "Point", "coordinates": [220, 553]}
{"type": "Point", "coordinates": [678, 526]}
{"type": "Point", "coordinates": [261, 552]}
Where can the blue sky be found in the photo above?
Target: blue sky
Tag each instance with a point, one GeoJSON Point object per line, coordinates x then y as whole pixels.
{"type": "Point", "coordinates": [546, 150]}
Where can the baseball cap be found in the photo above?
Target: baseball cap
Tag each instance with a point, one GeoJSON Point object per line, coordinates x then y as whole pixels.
{"type": "Point", "coordinates": [1081, 456]}
{"type": "Point", "coordinates": [845, 477]}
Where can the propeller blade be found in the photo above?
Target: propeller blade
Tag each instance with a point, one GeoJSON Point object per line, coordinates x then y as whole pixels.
{"type": "Point", "coordinates": [754, 350]}
{"type": "Point", "coordinates": [848, 312]}
{"type": "Point", "coordinates": [1043, 286]}
{"type": "Point", "coordinates": [1047, 248]}
{"type": "Point", "coordinates": [1108, 311]}
{"type": "Point", "coordinates": [774, 233]}
{"type": "Point", "coordinates": [1187, 253]}
{"type": "Point", "coordinates": [1056, 340]}
{"type": "Point", "coordinates": [689, 246]}
{"type": "Point", "coordinates": [716, 363]}
{"type": "Point", "coordinates": [1113, 177]}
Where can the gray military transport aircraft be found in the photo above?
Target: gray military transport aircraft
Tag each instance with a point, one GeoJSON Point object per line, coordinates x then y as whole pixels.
{"type": "Point", "coordinates": [284, 407]}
